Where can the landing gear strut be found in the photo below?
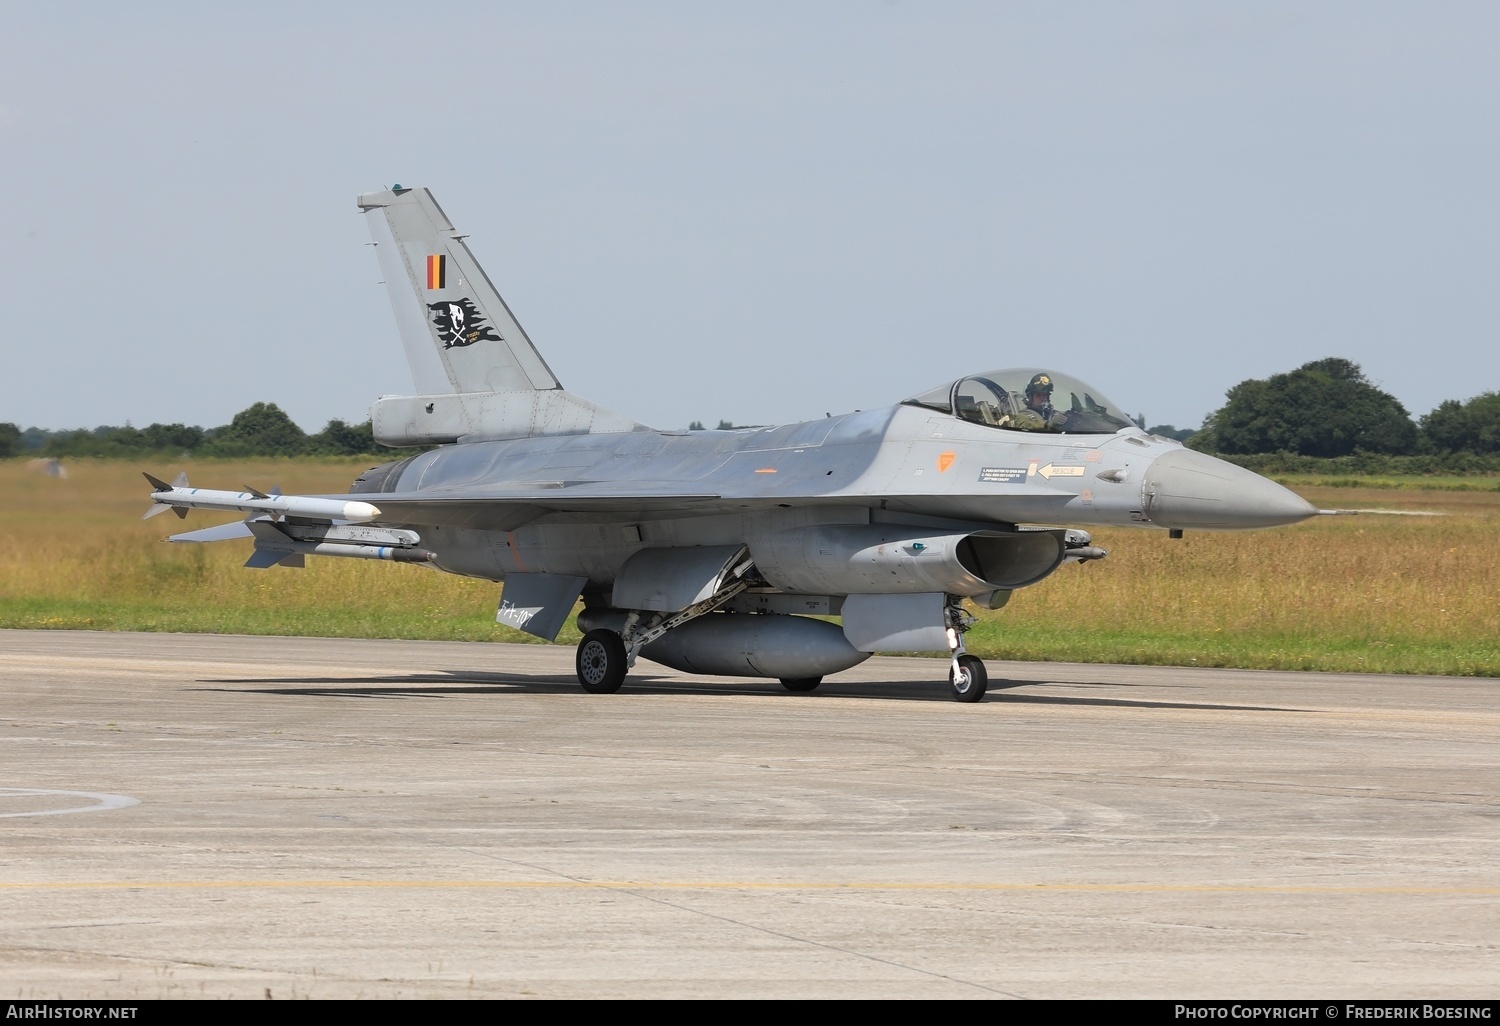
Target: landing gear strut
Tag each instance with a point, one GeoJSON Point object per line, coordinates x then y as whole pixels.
{"type": "Point", "coordinates": [966, 673]}
{"type": "Point", "coordinates": [606, 656]}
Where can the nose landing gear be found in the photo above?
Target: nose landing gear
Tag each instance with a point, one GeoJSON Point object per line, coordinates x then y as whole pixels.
{"type": "Point", "coordinates": [966, 674]}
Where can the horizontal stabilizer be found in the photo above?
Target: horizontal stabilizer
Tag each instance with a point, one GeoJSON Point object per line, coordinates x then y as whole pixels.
{"type": "Point", "coordinates": [260, 559]}
{"type": "Point", "coordinates": [224, 532]}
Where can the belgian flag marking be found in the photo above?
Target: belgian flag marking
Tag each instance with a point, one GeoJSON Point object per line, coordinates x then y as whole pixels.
{"type": "Point", "coordinates": [436, 270]}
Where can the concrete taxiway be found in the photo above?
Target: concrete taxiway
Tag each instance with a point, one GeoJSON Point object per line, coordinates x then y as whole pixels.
{"type": "Point", "coordinates": [230, 816]}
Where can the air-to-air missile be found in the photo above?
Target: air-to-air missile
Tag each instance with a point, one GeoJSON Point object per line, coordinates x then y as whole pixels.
{"type": "Point", "coordinates": [180, 497]}
{"type": "Point", "coordinates": [288, 527]}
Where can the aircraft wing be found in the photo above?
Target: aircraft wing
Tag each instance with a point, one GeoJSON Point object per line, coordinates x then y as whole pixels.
{"type": "Point", "coordinates": [477, 507]}
{"type": "Point", "coordinates": [507, 508]}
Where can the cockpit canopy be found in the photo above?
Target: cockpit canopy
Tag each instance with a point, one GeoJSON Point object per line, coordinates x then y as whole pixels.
{"type": "Point", "coordinates": [1026, 399]}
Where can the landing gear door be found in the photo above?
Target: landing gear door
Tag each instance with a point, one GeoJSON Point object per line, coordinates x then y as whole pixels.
{"type": "Point", "coordinates": [538, 604]}
{"type": "Point", "coordinates": [666, 580]}
{"type": "Point", "coordinates": [896, 623]}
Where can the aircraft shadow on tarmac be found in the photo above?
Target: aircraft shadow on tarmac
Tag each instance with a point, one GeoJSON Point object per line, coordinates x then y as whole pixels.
{"type": "Point", "coordinates": [461, 683]}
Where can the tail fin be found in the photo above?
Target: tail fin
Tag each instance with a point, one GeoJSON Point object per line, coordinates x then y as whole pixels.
{"type": "Point", "coordinates": [481, 346]}
{"type": "Point", "coordinates": [158, 485]}
{"type": "Point", "coordinates": [479, 374]}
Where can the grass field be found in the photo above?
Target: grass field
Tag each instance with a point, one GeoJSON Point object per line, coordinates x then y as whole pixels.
{"type": "Point", "coordinates": [1382, 594]}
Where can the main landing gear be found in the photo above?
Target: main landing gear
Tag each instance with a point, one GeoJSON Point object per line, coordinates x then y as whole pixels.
{"type": "Point", "coordinates": [602, 662]}
{"type": "Point", "coordinates": [606, 656]}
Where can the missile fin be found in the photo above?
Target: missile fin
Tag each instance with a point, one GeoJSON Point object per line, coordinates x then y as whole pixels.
{"type": "Point", "coordinates": [157, 484]}
{"type": "Point", "coordinates": [267, 532]}
{"type": "Point", "coordinates": [262, 558]}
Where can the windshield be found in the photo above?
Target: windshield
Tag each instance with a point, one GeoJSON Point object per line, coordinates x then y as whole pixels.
{"type": "Point", "coordinates": [1027, 399]}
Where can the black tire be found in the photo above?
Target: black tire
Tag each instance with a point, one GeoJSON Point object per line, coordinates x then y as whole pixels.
{"type": "Point", "coordinates": [971, 680]}
{"type": "Point", "coordinates": [801, 683]}
{"type": "Point", "coordinates": [601, 662]}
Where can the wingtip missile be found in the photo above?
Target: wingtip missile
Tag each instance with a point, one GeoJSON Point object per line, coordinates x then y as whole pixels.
{"type": "Point", "coordinates": [180, 498]}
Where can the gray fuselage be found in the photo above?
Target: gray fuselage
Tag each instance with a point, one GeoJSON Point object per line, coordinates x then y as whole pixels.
{"type": "Point", "coordinates": [904, 466]}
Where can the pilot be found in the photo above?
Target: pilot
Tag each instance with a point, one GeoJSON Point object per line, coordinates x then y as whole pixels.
{"type": "Point", "coordinates": [1038, 414]}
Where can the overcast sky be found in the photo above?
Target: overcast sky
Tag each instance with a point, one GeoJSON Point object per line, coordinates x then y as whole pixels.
{"type": "Point", "coordinates": [761, 212]}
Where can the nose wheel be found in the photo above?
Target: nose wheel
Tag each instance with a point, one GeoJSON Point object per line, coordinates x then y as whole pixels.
{"type": "Point", "coordinates": [968, 678]}
{"type": "Point", "coordinates": [601, 662]}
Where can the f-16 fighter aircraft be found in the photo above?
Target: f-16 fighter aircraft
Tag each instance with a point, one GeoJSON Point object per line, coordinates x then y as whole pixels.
{"type": "Point", "coordinates": [725, 552]}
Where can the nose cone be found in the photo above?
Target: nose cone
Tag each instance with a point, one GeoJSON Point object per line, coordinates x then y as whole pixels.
{"type": "Point", "coordinates": [1184, 488]}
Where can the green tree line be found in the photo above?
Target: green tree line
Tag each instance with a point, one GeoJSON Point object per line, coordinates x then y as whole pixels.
{"type": "Point", "coordinates": [262, 429]}
{"type": "Point", "coordinates": [1328, 409]}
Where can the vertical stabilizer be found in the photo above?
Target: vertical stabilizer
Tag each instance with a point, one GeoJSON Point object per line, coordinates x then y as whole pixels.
{"type": "Point", "coordinates": [477, 374]}
{"type": "Point", "coordinates": [457, 314]}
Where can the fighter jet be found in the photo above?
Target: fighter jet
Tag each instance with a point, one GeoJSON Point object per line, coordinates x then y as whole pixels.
{"type": "Point", "coordinates": [725, 552]}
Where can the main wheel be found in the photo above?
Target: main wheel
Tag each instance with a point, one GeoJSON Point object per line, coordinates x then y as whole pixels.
{"type": "Point", "coordinates": [970, 680]}
{"type": "Point", "coordinates": [800, 683]}
{"type": "Point", "coordinates": [601, 662]}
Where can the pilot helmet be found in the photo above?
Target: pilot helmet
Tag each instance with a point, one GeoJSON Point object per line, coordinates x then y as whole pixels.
{"type": "Point", "coordinates": [1040, 383]}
